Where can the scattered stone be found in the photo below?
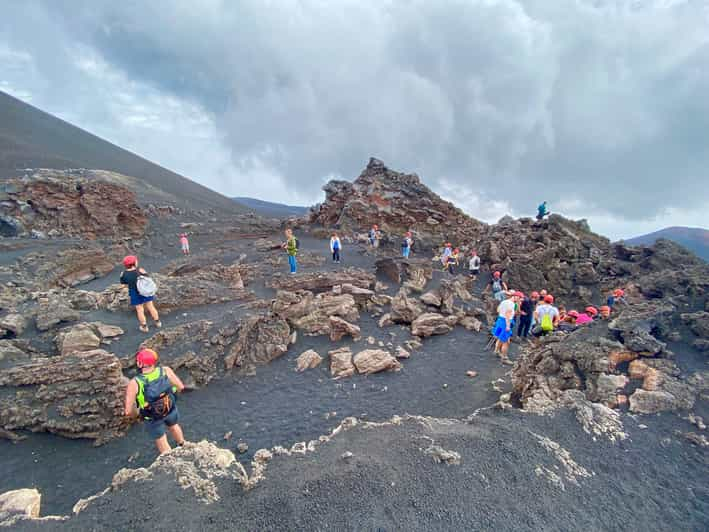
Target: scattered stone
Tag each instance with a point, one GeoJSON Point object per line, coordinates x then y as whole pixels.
{"type": "Point", "coordinates": [374, 361]}
{"type": "Point", "coordinates": [341, 363]}
{"type": "Point", "coordinates": [15, 324]}
{"type": "Point", "coordinates": [402, 353]}
{"type": "Point", "coordinates": [443, 456]}
{"type": "Point", "coordinates": [385, 320]}
{"type": "Point", "coordinates": [371, 340]}
{"type": "Point", "coordinates": [308, 360]}
{"type": "Point", "coordinates": [347, 455]}
{"type": "Point", "coordinates": [340, 328]}
{"type": "Point", "coordinates": [431, 323]}
{"type": "Point", "coordinates": [471, 373]}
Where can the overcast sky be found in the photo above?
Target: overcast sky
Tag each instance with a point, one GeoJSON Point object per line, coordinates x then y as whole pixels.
{"type": "Point", "coordinates": [600, 107]}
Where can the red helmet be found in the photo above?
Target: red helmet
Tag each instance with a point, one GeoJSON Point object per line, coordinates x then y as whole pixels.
{"type": "Point", "coordinates": [375, 226]}
{"type": "Point", "coordinates": [146, 357]}
{"type": "Point", "coordinates": [573, 314]}
{"type": "Point", "coordinates": [535, 295]}
{"type": "Point", "coordinates": [548, 298]}
{"type": "Point", "coordinates": [408, 233]}
{"type": "Point", "coordinates": [618, 292]}
{"type": "Point", "coordinates": [605, 308]}
{"type": "Point", "coordinates": [592, 311]}
{"type": "Point", "coordinates": [130, 260]}
{"type": "Point", "coordinates": [496, 275]}
{"type": "Point", "coordinates": [519, 294]}
{"type": "Point", "coordinates": [456, 250]}
{"type": "Point", "coordinates": [448, 245]}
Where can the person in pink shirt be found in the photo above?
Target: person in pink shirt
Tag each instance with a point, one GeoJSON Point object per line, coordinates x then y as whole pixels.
{"type": "Point", "coordinates": [587, 317]}
{"type": "Point", "coordinates": [185, 244]}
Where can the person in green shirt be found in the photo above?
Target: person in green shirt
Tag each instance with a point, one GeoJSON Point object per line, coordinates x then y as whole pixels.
{"type": "Point", "coordinates": [291, 247]}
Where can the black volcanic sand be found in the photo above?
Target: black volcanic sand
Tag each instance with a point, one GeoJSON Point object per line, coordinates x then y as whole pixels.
{"type": "Point", "coordinates": [656, 481]}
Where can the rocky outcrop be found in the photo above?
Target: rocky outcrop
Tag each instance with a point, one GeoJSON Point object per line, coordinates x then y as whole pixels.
{"type": "Point", "coordinates": [19, 504]}
{"type": "Point", "coordinates": [405, 309]}
{"type": "Point", "coordinates": [431, 324]}
{"type": "Point", "coordinates": [311, 313]}
{"type": "Point", "coordinates": [85, 337]}
{"type": "Point", "coordinates": [63, 205]}
{"type": "Point", "coordinates": [12, 325]}
{"type": "Point", "coordinates": [54, 395]}
{"type": "Point", "coordinates": [340, 328]}
{"type": "Point", "coordinates": [698, 322]}
{"type": "Point", "coordinates": [52, 311]}
{"type": "Point", "coordinates": [322, 281]}
{"type": "Point", "coordinates": [341, 363]}
{"type": "Point", "coordinates": [308, 360]}
{"type": "Point", "coordinates": [374, 361]}
{"type": "Point", "coordinates": [260, 340]}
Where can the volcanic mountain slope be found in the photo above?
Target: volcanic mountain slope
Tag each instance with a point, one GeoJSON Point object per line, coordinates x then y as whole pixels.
{"type": "Point", "coordinates": [270, 209]}
{"type": "Point", "coordinates": [31, 138]}
{"type": "Point", "coordinates": [694, 239]}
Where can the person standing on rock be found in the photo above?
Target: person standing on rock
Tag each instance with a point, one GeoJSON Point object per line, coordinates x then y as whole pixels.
{"type": "Point", "coordinates": [335, 247]}
{"type": "Point", "coordinates": [151, 396]}
{"type": "Point", "coordinates": [374, 236]}
{"type": "Point", "coordinates": [542, 211]}
{"type": "Point", "coordinates": [291, 247]}
{"type": "Point", "coordinates": [447, 252]}
{"type": "Point", "coordinates": [140, 302]}
{"type": "Point", "coordinates": [184, 244]}
{"type": "Point", "coordinates": [474, 265]}
{"type": "Point", "coordinates": [526, 310]}
{"type": "Point", "coordinates": [504, 326]}
{"type": "Point", "coordinates": [406, 245]}
{"type": "Point", "coordinates": [547, 316]}
{"type": "Point", "coordinates": [498, 287]}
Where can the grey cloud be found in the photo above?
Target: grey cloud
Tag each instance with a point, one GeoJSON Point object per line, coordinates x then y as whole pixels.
{"type": "Point", "coordinates": [599, 101]}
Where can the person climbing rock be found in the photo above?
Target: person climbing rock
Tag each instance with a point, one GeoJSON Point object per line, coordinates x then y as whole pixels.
{"type": "Point", "coordinates": [453, 261]}
{"type": "Point", "coordinates": [616, 296]}
{"type": "Point", "coordinates": [374, 236]}
{"type": "Point", "coordinates": [447, 252]}
{"type": "Point", "coordinates": [526, 311]}
{"type": "Point", "coordinates": [542, 211]}
{"type": "Point", "coordinates": [185, 244]}
{"type": "Point", "coordinates": [503, 330]}
{"type": "Point", "coordinates": [406, 245]}
{"type": "Point", "coordinates": [291, 247]}
{"type": "Point", "coordinates": [546, 316]}
{"type": "Point", "coordinates": [474, 265]}
{"type": "Point", "coordinates": [130, 278]}
{"type": "Point", "coordinates": [335, 247]}
{"type": "Point", "coordinates": [605, 312]}
{"type": "Point", "coordinates": [498, 286]}
{"type": "Point", "coordinates": [151, 396]}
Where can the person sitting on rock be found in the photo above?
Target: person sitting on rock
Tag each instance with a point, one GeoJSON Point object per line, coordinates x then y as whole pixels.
{"type": "Point", "coordinates": [291, 247]}
{"type": "Point", "coordinates": [605, 312]}
{"type": "Point", "coordinates": [335, 247]}
{"type": "Point", "coordinates": [185, 244]}
{"type": "Point", "coordinates": [498, 287]}
{"type": "Point", "coordinates": [546, 316]}
{"type": "Point", "coordinates": [453, 261]}
{"type": "Point", "coordinates": [568, 322]}
{"type": "Point", "coordinates": [140, 302]}
{"type": "Point", "coordinates": [542, 211]}
{"type": "Point", "coordinates": [616, 296]}
{"type": "Point", "coordinates": [587, 316]}
{"type": "Point", "coordinates": [406, 244]}
{"type": "Point", "coordinates": [474, 265]}
{"type": "Point", "coordinates": [503, 330]}
{"type": "Point", "coordinates": [151, 396]}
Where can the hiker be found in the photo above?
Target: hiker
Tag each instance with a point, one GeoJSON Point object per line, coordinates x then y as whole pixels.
{"type": "Point", "coordinates": [605, 312]}
{"type": "Point", "coordinates": [616, 296]}
{"type": "Point", "coordinates": [587, 316]}
{"type": "Point", "coordinates": [568, 322]}
{"type": "Point", "coordinates": [542, 211]}
{"type": "Point", "coordinates": [453, 261]}
{"type": "Point", "coordinates": [406, 245]}
{"type": "Point", "coordinates": [151, 396]}
{"type": "Point", "coordinates": [185, 244]}
{"type": "Point", "coordinates": [374, 236]}
{"type": "Point", "coordinates": [335, 247]}
{"type": "Point", "coordinates": [498, 286]}
{"type": "Point", "coordinates": [526, 310]}
{"type": "Point", "coordinates": [447, 252]}
{"type": "Point", "coordinates": [503, 329]}
{"type": "Point", "coordinates": [474, 264]}
{"type": "Point", "coordinates": [546, 315]}
{"type": "Point", "coordinates": [130, 277]}
{"type": "Point", "coordinates": [291, 247]}
{"type": "Point", "coordinates": [542, 295]}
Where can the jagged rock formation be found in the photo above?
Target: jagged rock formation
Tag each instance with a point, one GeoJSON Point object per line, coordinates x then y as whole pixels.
{"type": "Point", "coordinates": [322, 281]}
{"type": "Point", "coordinates": [62, 205]}
{"type": "Point", "coordinates": [260, 340]}
{"type": "Point", "coordinates": [311, 313]}
{"type": "Point", "coordinates": [78, 395]}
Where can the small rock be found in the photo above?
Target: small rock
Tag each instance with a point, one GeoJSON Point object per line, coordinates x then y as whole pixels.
{"type": "Point", "coordinates": [347, 455]}
{"type": "Point", "coordinates": [371, 340]}
{"type": "Point", "coordinates": [402, 353]}
{"type": "Point", "coordinates": [471, 373]}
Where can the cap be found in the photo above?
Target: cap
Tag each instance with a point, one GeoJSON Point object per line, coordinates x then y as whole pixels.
{"type": "Point", "coordinates": [496, 275]}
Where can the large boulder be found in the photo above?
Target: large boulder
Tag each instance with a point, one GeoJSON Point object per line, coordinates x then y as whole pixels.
{"type": "Point", "coordinates": [405, 309]}
{"type": "Point", "coordinates": [260, 340]}
{"type": "Point", "coordinates": [22, 503]}
{"type": "Point", "coordinates": [311, 313]}
{"type": "Point", "coordinates": [340, 328]}
{"type": "Point", "coordinates": [78, 395]}
{"type": "Point", "coordinates": [341, 363]}
{"type": "Point", "coordinates": [374, 361]}
{"type": "Point", "coordinates": [85, 337]}
{"type": "Point", "coordinates": [307, 360]}
{"type": "Point", "coordinates": [431, 324]}
{"type": "Point", "coordinates": [53, 311]}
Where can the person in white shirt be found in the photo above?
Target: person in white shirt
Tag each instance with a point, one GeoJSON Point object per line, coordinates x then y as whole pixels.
{"type": "Point", "coordinates": [474, 264]}
{"type": "Point", "coordinates": [335, 247]}
{"type": "Point", "coordinates": [504, 326]}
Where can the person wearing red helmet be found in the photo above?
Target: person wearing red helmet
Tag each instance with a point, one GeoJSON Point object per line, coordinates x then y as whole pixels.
{"type": "Point", "coordinates": [185, 244]}
{"type": "Point", "coordinates": [526, 311]}
{"type": "Point", "coordinates": [406, 244]}
{"type": "Point", "coordinates": [503, 330]}
{"type": "Point", "coordinates": [616, 296]}
{"type": "Point", "coordinates": [474, 265]}
{"type": "Point", "coordinates": [150, 395]}
{"type": "Point", "coordinates": [587, 316]}
{"type": "Point", "coordinates": [374, 236]}
{"type": "Point", "coordinates": [605, 312]}
{"type": "Point", "coordinates": [498, 287]}
{"type": "Point", "coordinates": [130, 277]}
{"type": "Point", "coordinates": [452, 261]}
{"type": "Point", "coordinates": [546, 316]}
{"type": "Point", "coordinates": [447, 252]}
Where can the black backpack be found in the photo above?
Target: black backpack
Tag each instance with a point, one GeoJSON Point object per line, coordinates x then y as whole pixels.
{"type": "Point", "coordinates": [297, 243]}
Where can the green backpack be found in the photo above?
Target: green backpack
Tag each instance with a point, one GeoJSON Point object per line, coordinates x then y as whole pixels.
{"type": "Point", "coordinates": [547, 323]}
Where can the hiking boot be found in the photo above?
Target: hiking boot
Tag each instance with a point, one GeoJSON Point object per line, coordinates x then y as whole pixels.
{"type": "Point", "coordinates": [143, 327]}
{"type": "Point", "coordinates": [158, 324]}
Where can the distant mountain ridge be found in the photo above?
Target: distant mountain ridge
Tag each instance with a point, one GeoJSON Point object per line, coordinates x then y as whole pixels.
{"type": "Point", "coordinates": [694, 239]}
{"type": "Point", "coordinates": [268, 208]}
{"type": "Point", "coordinates": [31, 138]}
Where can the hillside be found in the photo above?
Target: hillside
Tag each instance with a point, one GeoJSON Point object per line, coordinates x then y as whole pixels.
{"type": "Point", "coordinates": [31, 138]}
{"type": "Point", "coordinates": [694, 239]}
{"type": "Point", "coordinates": [270, 209]}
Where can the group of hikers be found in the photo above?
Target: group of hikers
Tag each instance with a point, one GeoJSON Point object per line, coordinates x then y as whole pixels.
{"type": "Point", "coordinates": [536, 314]}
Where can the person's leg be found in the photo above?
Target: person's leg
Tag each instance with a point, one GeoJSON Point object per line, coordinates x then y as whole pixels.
{"type": "Point", "coordinates": [153, 311]}
{"type": "Point", "coordinates": [162, 444]}
{"type": "Point", "coordinates": [176, 433]}
{"type": "Point", "coordinates": [503, 349]}
{"type": "Point", "coordinates": [140, 312]}
{"type": "Point", "coordinates": [497, 346]}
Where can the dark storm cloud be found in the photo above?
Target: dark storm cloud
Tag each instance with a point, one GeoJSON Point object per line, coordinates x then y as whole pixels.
{"type": "Point", "coordinates": [597, 103]}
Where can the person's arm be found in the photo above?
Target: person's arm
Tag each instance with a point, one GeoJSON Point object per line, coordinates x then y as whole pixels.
{"type": "Point", "coordinates": [142, 271]}
{"type": "Point", "coordinates": [504, 286]}
{"type": "Point", "coordinates": [123, 280]}
{"type": "Point", "coordinates": [555, 318]}
{"type": "Point", "coordinates": [129, 408]}
{"type": "Point", "coordinates": [332, 246]}
{"type": "Point", "coordinates": [174, 379]}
